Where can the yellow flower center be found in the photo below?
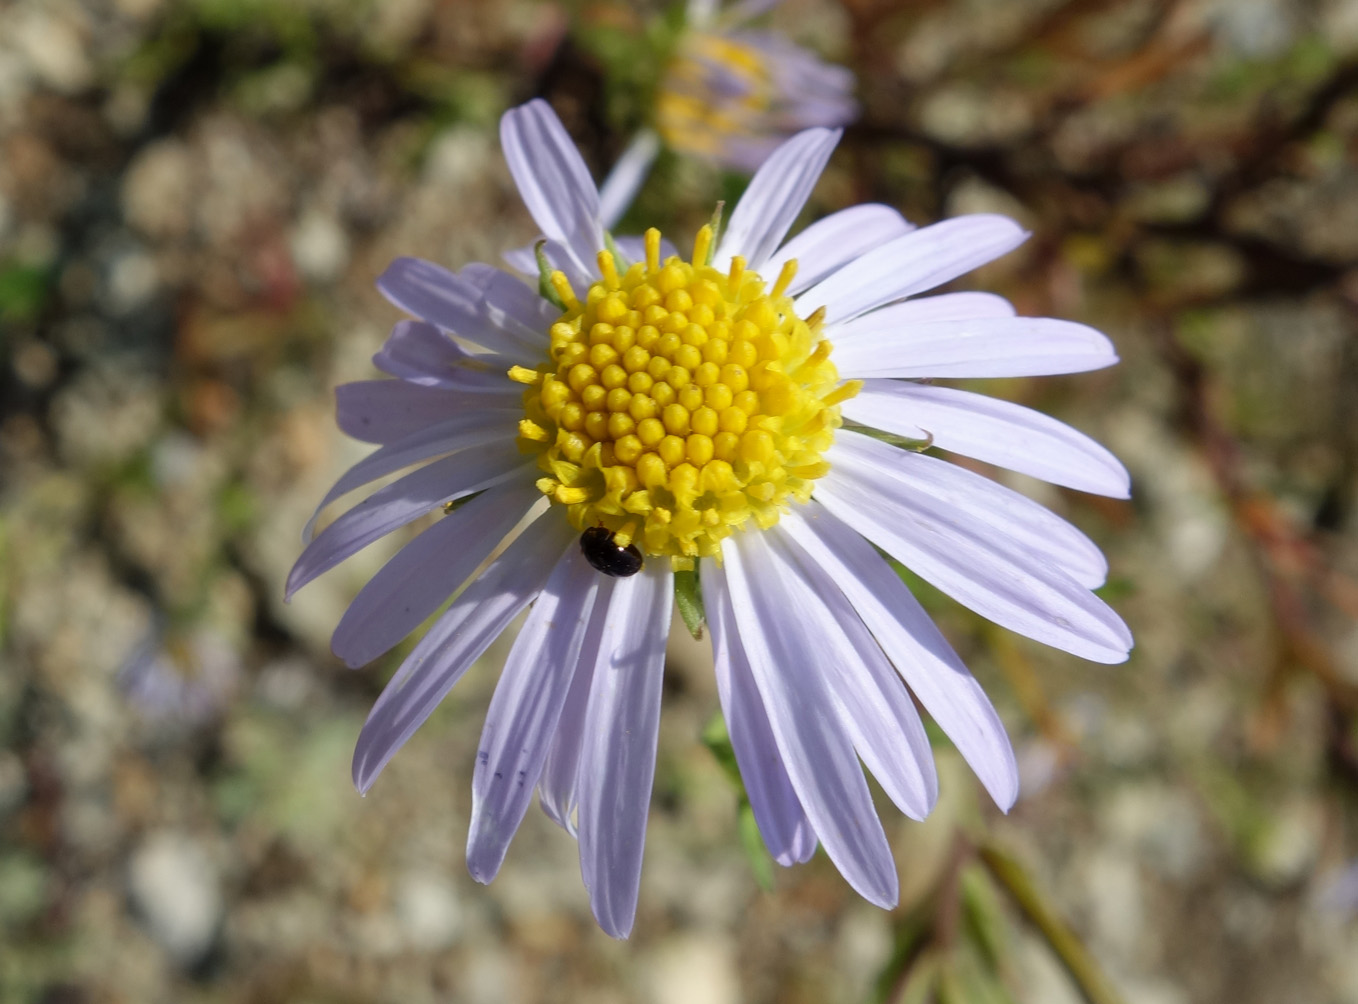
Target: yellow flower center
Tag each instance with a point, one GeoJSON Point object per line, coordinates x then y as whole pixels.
{"type": "Point", "coordinates": [680, 402]}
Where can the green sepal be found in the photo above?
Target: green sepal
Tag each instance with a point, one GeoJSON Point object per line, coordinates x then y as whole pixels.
{"type": "Point", "coordinates": [715, 224]}
{"type": "Point", "coordinates": [545, 288]}
{"type": "Point", "coordinates": [688, 594]}
{"type": "Point", "coordinates": [891, 439]}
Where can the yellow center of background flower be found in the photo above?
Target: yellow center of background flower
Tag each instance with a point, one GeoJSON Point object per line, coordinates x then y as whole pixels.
{"type": "Point", "coordinates": [681, 402]}
{"type": "Point", "coordinates": [714, 89]}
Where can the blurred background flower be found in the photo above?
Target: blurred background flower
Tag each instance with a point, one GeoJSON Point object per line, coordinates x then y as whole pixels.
{"type": "Point", "coordinates": [731, 94]}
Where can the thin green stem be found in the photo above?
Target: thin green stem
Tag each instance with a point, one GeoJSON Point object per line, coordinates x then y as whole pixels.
{"type": "Point", "coordinates": [1086, 973]}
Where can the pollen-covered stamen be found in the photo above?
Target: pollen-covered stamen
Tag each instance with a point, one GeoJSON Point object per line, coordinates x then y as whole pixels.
{"type": "Point", "coordinates": [679, 402]}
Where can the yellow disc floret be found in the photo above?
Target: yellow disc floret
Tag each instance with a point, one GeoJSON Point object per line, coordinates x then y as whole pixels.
{"type": "Point", "coordinates": [680, 402]}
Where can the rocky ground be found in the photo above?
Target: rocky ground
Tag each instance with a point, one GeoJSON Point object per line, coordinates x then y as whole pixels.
{"type": "Point", "coordinates": [195, 196]}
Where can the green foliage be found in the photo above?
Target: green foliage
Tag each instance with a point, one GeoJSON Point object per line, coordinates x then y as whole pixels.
{"type": "Point", "coordinates": [23, 291]}
{"type": "Point", "coordinates": [718, 741]}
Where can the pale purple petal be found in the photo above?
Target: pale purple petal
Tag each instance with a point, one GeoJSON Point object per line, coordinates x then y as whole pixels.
{"type": "Point", "coordinates": [897, 317]}
{"type": "Point", "coordinates": [873, 704]}
{"type": "Point", "coordinates": [961, 556]}
{"type": "Point", "coordinates": [553, 180]}
{"type": "Point", "coordinates": [558, 787]}
{"type": "Point", "coordinates": [834, 241]}
{"type": "Point", "coordinates": [456, 433]}
{"type": "Point", "coordinates": [996, 432]}
{"type": "Point", "coordinates": [432, 293]}
{"type": "Point", "coordinates": [421, 353]}
{"type": "Point", "coordinates": [625, 180]}
{"type": "Point", "coordinates": [524, 259]}
{"type": "Point", "coordinates": [989, 347]}
{"type": "Point", "coordinates": [424, 573]}
{"type": "Point", "coordinates": [524, 711]}
{"type": "Point", "coordinates": [913, 263]}
{"type": "Point", "coordinates": [382, 411]}
{"type": "Point", "coordinates": [470, 470]}
{"type": "Point", "coordinates": [777, 193]}
{"type": "Point", "coordinates": [523, 318]}
{"type": "Point", "coordinates": [817, 752]}
{"type": "Point", "coordinates": [782, 822]}
{"type": "Point", "coordinates": [472, 306]}
{"type": "Point", "coordinates": [916, 647]}
{"type": "Point", "coordinates": [1015, 520]}
{"type": "Point", "coordinates": [466, 629]}
{"type": "Point", "coordinates": [617, 758]}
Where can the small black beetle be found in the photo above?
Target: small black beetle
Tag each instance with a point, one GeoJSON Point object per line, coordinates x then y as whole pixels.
{"type": "Point", "coordinates": [606, 556]}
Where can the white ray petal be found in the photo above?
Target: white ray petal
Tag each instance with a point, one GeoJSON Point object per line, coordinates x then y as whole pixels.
{"type": "Point", "coordinates": [524, 711]}
{"type": "Point", "coordinates": [617, 758]}
{"type": "Point", "coordinates": [775, 196]}
{"type": "Point", "coordinates": [961, 556]}
{"type": "Point", "coordinates": [815, 747]}
{"type": "Point", "coordinates": [1016, 521]}
{"type": "Point", "coordinates": [916, 647]}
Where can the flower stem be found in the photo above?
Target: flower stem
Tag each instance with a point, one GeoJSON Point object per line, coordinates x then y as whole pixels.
{"type": "Point", "coordinates": [1088, 976]}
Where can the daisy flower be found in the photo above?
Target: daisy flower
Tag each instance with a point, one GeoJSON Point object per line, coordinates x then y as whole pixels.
{"type": "Point", "coordinates": [730, 95]}
{"type": "Point", "coordinates": [637, 415]}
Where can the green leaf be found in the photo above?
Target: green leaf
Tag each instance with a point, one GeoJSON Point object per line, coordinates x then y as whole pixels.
{"type": "Point", "coordinates": [718, 740]}
{"type": "Point", "coordinates": [752, 843]}
{"type": "Point", "coordinates": [921, 983]}
{"type": "Point", "coordinates": [23, 291]}
{"type": "Point", "coordinates": [688, 594]}
{"type": "Point", "coordinates": [983, 914]}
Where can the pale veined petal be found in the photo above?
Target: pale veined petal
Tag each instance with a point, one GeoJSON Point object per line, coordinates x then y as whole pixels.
{"type": "Point", "coordinates": [521, 318]}
{"type": "Point", "coordinates": [997, 432]}
{"type": "Point", "coordinates": [617, 758]}
{"type": "Point", "coordinates": [1017, 521]}
{"type": "Point", "coordinates": [782, 823]}
{"type": "Point", "coordinates": [873, 704]}
{"type": "Point", "coordinates": [434, 294]}
{"type": "Point", "coordinates": [889, 321]}
{"type": "Point", "coordinates": [553, 180]}
{"type": "Point", "coordinates": [471, 470]}
{"type": "Point", "coordinates": [990, 347]}
{"type": "Point", "coordinates": [834, 241]}
{"type": "Point", "coordinates": [424, 573]}
{"type": "Point", "coordinates": [961, 556]}
{"type": "Point", "coordinates": [466, 629]}
{"type": "Point", "coordinates": [421, 353]}
{"type": "Point", "coordinates": [558, 790]}
{"type": "Point", "coordinates": [816, 750]}
{"type": "Point", "coordinates": [627, 176]}
{"type": "Point", "coordinates": [524, 710]}
{"type": "Point", "coordinates": [914, 644]}
{"type": "Point", "coordinates": [775, 196]}
{"type": "Point", "coordinates": [381, 411]}
{"type": "Point", "coordinates": [913, 263]}
{"type": "Point", "coordinates": [456, 433]}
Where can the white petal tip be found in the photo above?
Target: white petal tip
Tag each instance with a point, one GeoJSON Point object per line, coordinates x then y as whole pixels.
{"type": "Point", "coordinates": [615, 931]}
